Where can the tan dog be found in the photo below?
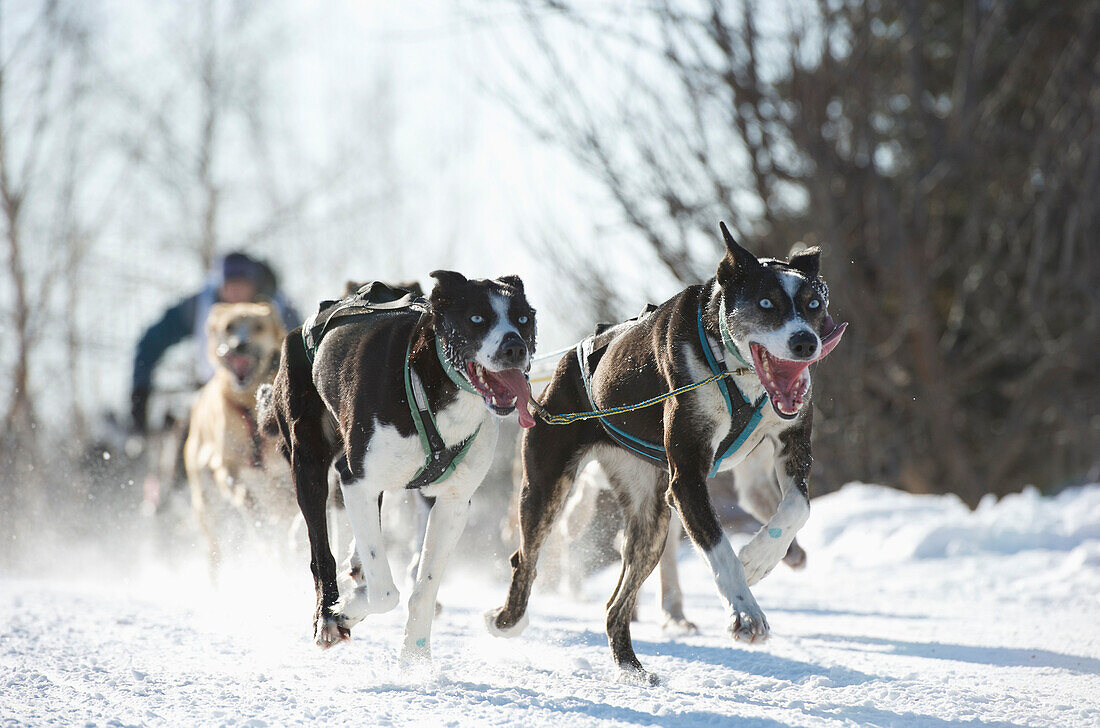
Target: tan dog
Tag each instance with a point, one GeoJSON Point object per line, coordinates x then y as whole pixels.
{"type": "Point", "coordinates": [228, 463]}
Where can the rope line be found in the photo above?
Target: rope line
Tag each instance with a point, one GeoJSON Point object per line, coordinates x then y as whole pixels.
{"type": "Point", "coordinates": [552, 354]}
{"type": "Point", "coordinates": [571, 417]}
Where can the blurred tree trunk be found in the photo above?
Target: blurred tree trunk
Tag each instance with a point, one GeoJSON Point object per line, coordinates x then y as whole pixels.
{"type": "Point", "coordinates": [43, 66]}
{"type": "Point", "coordinates": [210, 109]}
{"type": "Point", "coordinates": [20, 418]}
{"type": "Point", "coordinates": [16, 180]}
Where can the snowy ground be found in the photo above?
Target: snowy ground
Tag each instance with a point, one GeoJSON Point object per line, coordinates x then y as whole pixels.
{"type": "Point", "coordinates": [913, 611]}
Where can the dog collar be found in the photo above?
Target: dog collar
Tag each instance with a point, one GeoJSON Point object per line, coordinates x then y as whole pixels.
{"type": "Point", "coordinates": [453, 374]}
{"type": "Point", "coordinates": [727, 338]}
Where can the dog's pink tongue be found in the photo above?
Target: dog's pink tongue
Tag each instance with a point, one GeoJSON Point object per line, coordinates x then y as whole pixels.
{"type": "Point", "coordinates": [517, 386]}
{"type": "Point", "coordinates": [786, 375]}
{"type": "Point", "coordinates": [240, 364]}
{"type": "Point", "coordinates": [831, 339]}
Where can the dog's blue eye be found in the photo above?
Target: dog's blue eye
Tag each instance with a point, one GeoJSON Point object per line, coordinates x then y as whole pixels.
{"type": "Point", "coordinates": [522, 319]}
{"type": "Point", "coordinates": [477, 319]}
{"type": "Point", "coordinates": [765, 303]}
{"type": "Point", "coordinates": [813, 304]}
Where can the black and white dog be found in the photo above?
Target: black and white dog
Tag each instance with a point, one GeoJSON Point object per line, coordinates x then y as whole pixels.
{"type": "Point", "coordinates": [765, 322]}
{"type": "Point", "coordinates": [403, 397]}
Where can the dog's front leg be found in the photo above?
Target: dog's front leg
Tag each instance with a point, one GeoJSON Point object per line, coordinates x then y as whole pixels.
{"type": "Point", "coordinates": [200, 483]}
{"type": "Point", "coordinates": [446, 522]}
{"type": "Point", "coordinates": [422, 506]}
{"type": "Point", "coordinates": [378, 593]}
{"type": "Point", "coordinates": [690, 457]}
{"type": "Point", "coordinates": [792, 467]}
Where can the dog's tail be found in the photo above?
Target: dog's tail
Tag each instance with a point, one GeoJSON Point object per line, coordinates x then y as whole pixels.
{"type": "Point", "coordinates": [265, 410]}
{"type": "Point", "coordinates": [268, 396]}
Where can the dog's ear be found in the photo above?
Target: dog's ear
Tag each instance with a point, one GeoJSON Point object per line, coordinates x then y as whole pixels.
{"type": "Point", "coordinates": [277, 325]}
{"type": "Point", "coordinates": [513, 281]}
{"type": "Point", "coordinates": [267, 311]}
{"type": "Point", "coordinates": [215, 316]}
{"type": "Point", "coordinates": [736, 261]}
{"type": "Point", "coordinates": [446, 281]}
{"type": "Point", "coordinates": [412, 287]}
{"type": "Point", "coordinates": [808, 261]}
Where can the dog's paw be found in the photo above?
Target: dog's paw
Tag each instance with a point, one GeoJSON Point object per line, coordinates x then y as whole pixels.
{"type": "Point", "coordinates": [492, 624]}
{"type": "Point", "coordinates": [360, 602]}
{"type": "Point", "coordinates": [329, 631]}
{"type": "Point", "coordinates": [795, 557]}
{"type": "Point", "coordinates": [679, 625]}
{"type": "Point", "coordinates": [759, 557]}
{"type": "Point", "coordinates": [632, 675]}
{"type": "Point", "coordinates": [749, 625]}
{"type": "Point", "coordinates": [416, 653]}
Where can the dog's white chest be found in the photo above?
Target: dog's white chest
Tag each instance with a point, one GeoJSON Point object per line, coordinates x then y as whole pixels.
{"type": "Point", "coordinates": [710, 408]}
{"type": "Point", "coordinates": [392, 460]}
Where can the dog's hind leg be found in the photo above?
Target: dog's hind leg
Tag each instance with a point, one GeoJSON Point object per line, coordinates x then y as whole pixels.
{"type": "Point", "coordinates": [645, 525]}
{"type": "Point", "coordinates": [295, 410]}
{"type": "Point", "coordinates": [312, 489]}
{"type": "Point", "coordinates": [576, 518]}
{"type": "Point", "coordinates": [670, 596]}
{"type": "Point", "coordinates": [445, 523]}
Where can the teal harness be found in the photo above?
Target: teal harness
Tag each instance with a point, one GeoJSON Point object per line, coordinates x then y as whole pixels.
{"type": "Point", "coordinates": [376, 300]}
{"type": "Point", "coordinates": [655, 451]}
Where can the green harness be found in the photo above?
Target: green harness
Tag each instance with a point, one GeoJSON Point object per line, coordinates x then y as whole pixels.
{"type": "Point", "coordinates": [376, 300]}
{"type": "Point", "coordinates": [440, 461]}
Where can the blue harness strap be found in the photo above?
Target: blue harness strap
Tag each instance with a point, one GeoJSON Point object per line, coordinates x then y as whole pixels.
{"type": "Point", "coordinates": [655, 451]}
{"type": "Point", "coordinates": [644, 448]}
{"type": "Point", "coordinates": [757, 409]}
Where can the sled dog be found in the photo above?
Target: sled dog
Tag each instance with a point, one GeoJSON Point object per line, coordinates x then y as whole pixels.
{"type": "Point", "coordinates": [401, 392]}
{"type": "Point", "coordinates": [226, 460]}
{"type": "Point", "coordinates": [756, 327]}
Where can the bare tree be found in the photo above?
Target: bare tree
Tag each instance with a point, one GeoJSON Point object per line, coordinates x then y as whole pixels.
{"type": "Point", "coordinates": [41, 52]}
{"type": "Point", "coordinates": [203, 130]}
{"type": "Point", "coordinates": [944, 154]}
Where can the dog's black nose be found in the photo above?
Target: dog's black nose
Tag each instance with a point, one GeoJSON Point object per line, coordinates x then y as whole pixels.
{"type": "Point", "coordinates": [803, 344]}
{"type": "Point", "coordinates": [512, 350]}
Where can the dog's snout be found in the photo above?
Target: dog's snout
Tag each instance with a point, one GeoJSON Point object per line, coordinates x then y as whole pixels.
{"type": "Point", "coordinates": [803, 344]}
{"type": "Point", "coordinates": [237, 340]}
{"type": "Point", "coordinates": [513, 350]}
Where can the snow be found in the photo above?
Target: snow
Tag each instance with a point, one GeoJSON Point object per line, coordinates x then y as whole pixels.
{"type": "Point", "coordinates": [912, 611]}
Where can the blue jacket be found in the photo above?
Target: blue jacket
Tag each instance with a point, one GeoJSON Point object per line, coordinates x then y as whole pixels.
{"type": "Point", "coordinates": [188, 318]}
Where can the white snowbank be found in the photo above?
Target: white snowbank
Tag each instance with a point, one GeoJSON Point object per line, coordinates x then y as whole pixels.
{"type": "Point", "coordinates": [872, 524]}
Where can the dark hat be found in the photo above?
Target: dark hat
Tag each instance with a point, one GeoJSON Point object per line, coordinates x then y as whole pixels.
{"type": "Point", "coordinates": [237, 266]}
